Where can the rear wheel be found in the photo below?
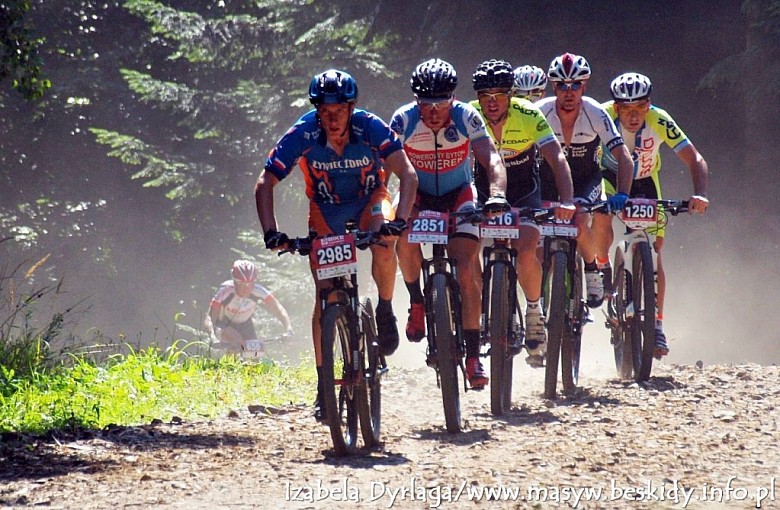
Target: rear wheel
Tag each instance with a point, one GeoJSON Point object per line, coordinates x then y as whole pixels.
{"type": "Point", "coordinates": [620, 330]}
{"type": "Point", "coordinates": [370, 401]}
{"type": "Point", "coordinates": [339, 391]}
{"type": "Point", "coordinates": [445, 340]}
{"type": "Point", "coordinates": [499, 326]}
{"type": "Point", "coordinates": [643, 290]}
{"type": "Point", "coordinates": [556, 316]}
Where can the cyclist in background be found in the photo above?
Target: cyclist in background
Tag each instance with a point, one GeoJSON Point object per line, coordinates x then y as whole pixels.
{"type": "Point", "coordinates": [520, 131]}
{"type": "Point", "coordinates": [645, 128]}
{"type": "Point", "coordinates": [343, 152]}
{"type": "Point", "coordinates": [582, 126]}
{"type": "Point", "coordinates": [229, 317]}
{"type": "Point", "coordinates": [530, 83]}
{"type": "Point", "coordinates": [439, 134]}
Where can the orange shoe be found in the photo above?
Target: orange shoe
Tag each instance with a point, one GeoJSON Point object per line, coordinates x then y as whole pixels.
{"type": "Point", "coordinates": [415, 326]}
{"type": "Point", "coordinates": [476, 375]}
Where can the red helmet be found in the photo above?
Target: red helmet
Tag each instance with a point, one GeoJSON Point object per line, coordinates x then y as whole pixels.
{"type": "Point", "coordinates": [244, 271]}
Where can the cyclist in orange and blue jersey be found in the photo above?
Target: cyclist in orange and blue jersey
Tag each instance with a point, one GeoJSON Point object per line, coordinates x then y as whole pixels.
{"type": "Point", "coordinates": [583, 126]}
{"type": "Point", "coordinates": [343, 153]}
{"type": "Point", "coordinates": [520, 132]}
{"type": "Point", "coordinates": [439, 133]}
{"type": "Point", "coordinates": [645, 129]}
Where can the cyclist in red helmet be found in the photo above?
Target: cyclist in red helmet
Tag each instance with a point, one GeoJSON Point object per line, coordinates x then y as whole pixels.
{"type": "Point", "coordinates": [229, 317]}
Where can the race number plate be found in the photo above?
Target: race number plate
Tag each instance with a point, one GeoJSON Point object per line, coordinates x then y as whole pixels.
{"type": "Point", "coordinates": [335, 256]}
{"type": "Point", "coordinates": [640, 213]}
{"type": "Point", "coordinates": [254, 347]}
{"type": "Point", "coordinates": [504, 226]}
{"type": "Point", "coordinates": [430, 227]}
{"type": "Point", "coordinates": [558, 228]}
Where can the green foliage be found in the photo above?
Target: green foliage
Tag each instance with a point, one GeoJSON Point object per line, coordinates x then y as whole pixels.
{"type": "Point", "coordinates": [142, 386]}
{"type": "Point", "coordinates": [19, 57]}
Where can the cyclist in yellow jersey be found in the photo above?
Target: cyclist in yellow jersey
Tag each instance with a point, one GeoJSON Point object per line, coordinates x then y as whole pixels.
{"type": "Point", "coordinates": [645, 128]}
{"type": "Point", "coordinates": [520, 131]}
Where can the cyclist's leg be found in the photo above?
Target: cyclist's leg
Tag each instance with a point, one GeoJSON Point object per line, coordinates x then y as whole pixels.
{"type": "Point", "coordinates": [410, 261]}
{"type": "Point", "coordinates": [384, 263]}
{"type": "Point", "coordinates": [232, 339]}
{"type": "Point", "coordinates": [587, 241]}
{"type": "Point", "coordinates": [603, 234]}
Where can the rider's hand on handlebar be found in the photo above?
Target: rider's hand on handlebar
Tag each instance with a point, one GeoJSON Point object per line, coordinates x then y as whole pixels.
{"type": "Point", "coordinates": [275, 240]}
{"type": "Point", "coordinates": [565, 212]}
{"type": "Point", "coordinates": [393, 228]}
{"type": "Point", "coordinates": [495, 205]}
{"type": "Point", "coordinates": [617, 202]}
{"type": "Point", "coordinates": [698, 204]}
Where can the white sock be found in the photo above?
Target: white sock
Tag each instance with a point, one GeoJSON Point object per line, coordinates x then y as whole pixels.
{"type": "Point", "coordinates": [533, 307]}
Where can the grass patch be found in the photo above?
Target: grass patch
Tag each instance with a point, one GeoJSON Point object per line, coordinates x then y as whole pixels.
{"type": "Point", "coordinates": [139, 387]}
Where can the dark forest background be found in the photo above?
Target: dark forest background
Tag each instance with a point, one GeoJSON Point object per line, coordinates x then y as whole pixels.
{"type": "Point", "coordinates": [133, 172]}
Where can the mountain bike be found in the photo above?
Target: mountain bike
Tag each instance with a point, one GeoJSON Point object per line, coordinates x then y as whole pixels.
{"type": "Point", "coordinates": [501, 324]}
{"type": "Point", "coordinates": [562, 299]}
{"type": "Point", "coordinates": [441, 293]}
{"type": "Point", "coordinates": [631, 311]}
{"type": "Point", "coordinates": [352, 364]}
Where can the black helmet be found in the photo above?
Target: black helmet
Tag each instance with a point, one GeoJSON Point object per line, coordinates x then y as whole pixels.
{"type": "Point", "coordinates": [494, 74]}
{"type": "Point", "coordinates": [434, 79]}
{"type": "Point", "coordinates": [332, 87]}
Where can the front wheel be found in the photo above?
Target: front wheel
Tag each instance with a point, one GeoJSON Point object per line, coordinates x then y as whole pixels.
{"type": "Point", "coordinates": [339, 388]}
{"type": "Point", "coordinates": [571, 346]}
{"type": "Point", "coordinates": [446, 341]}
{"type": "Point", "coordinates": [643, 289]}
{"type": "Point", "coordinates": [556, 317]}
{"type": "Point", "coordinates": [500, 327]}
{"type": "Point", "coordinates": [620, 329]}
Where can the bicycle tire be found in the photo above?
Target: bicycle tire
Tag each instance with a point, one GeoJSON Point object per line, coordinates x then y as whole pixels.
{"type": "Point", "coordinates": [556, 317]}
{"type": "Point", "coordinates": [338, 391]}
{"type": "Point", "coordinates": [445, 340]}
{"type": "Point", "coordinates": [620, 329]}
{"type": "Point", "coordinates": [370, 392]}
{"type": "Point", "coordinates": [500, 326]}
{"type": "Point", "coordinates": [643, 290]}
{"type": "Point", "coordinates": [571, 345]}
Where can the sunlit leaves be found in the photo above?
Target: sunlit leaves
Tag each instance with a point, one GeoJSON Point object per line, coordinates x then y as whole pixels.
{"type": "Point", "coordinates": [19, 57]}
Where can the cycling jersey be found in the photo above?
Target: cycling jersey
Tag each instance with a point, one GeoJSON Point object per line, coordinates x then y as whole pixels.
{"type": "Point", "coordinates": [592, 129]}
{"type": "Point", "coordinates": [234, 309]}
{"type": "Point", "coordinates": [442, 160]}
{"type": "Point", "coordinates": [524, 131]}
{"type": "Point", "coordinates": [331, 178]}
{"type": "Point", "coordinates": [645, 144]}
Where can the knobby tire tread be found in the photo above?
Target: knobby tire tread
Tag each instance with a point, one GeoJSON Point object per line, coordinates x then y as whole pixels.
{"type": "Point", "coordinates": [500, 327]}
{"type": "Point", "coordinates": [447, 349]}
{"type": "Point", "coordinates": [340, 406]}
{"type": "Point", "coordinates": [556, 316]}
{"type": "Point", "coordinates": [644, 292]}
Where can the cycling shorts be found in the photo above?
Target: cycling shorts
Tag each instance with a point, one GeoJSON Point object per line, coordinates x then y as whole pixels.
{"type": "Point", "coordinates": [246, 329]}
{"type": "Point", "coordinates": [649, 187]}
{"type": "Point", "coordinates": [330, 218]}
{"type": "Point", "coordinates": [586, 191]}
{"type": "Point", "coordinates": [456, 200]}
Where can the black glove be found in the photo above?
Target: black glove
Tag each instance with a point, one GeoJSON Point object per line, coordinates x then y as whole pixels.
{"type": "Point", "coordinates": [393, 228]}
{"type": "Point", "coordinates": [496, 204]}
{"type": "Point", "coordinates": [275, 239]}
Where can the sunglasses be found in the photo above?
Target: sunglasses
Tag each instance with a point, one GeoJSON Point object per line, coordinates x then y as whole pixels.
{"type": "Point", "coordinates": [434, 105]}
{"type": "Point", "coordinates": [563, 87]}
{"type": "Point", "coordinates": [498, 96]}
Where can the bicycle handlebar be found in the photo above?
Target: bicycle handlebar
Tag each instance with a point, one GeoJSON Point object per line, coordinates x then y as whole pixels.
{"type": "Point", "coordinates": [303, 245]}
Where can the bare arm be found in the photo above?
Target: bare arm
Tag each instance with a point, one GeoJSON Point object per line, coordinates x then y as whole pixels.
{"type": "Point", "coordinates": [490, 159]}
{"type": "Point", "coordinates": [554, 156]}
{"type": "Point", "coordinates": [699, 174]}
{"type": "Point", "coordinates": [399, 164]}
{"type": "Point", "coordinates": [625, 172]}
{"type": "Point", "coordinates": [278, 311]}
{"type": "Point", "coordinates": [264, 200]}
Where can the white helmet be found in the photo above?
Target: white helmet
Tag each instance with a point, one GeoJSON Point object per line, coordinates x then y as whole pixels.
{"type": "Point", "coordinates": [630, 87]}
{"type": "Point", "coordinates": [244, 271]}
{"type": "Point", "coordinates": [530, 80]}
{"type": "Point", "coordinates": [569, 67]}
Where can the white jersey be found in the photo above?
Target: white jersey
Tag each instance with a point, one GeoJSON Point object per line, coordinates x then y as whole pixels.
{"type": "Point", "coordinates": [235, 309]}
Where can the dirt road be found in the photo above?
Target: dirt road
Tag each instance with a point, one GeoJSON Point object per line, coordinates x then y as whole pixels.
{"type": "Point", "coordinates": [692, 438]}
